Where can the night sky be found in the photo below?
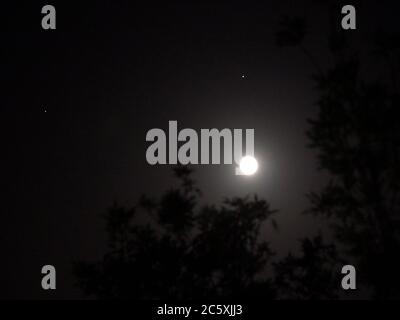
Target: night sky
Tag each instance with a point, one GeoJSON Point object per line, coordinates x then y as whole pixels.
{"type": "Point", "coordinates": [78, 101]}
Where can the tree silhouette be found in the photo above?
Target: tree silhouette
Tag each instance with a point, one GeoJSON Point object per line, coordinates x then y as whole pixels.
{"type": "Point", "coordinates": [314, 274]}
{"type": "Point", "coordinates": [357, 138]}
{"type": "Point", "coordinates": [184, 252]}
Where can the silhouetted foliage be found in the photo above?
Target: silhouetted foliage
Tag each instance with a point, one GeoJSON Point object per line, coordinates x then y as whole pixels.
{"type": "Point", "coordinates": [315, 274]}
{"type": "Point", "coordinates": [184, 252]}
{"type": "Point", "coordinates": [357, 137]}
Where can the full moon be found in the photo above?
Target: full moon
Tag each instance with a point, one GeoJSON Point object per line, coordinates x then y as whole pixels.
{"type": "Point", "coordinates": [248, 165]}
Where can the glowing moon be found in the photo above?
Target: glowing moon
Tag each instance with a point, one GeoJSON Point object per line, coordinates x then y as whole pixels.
{"type": "Point", "coordinates": [248, 165]}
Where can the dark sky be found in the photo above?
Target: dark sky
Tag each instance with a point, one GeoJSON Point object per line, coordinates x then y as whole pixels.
{"type": "Point", "coordinates": [77, 103]}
